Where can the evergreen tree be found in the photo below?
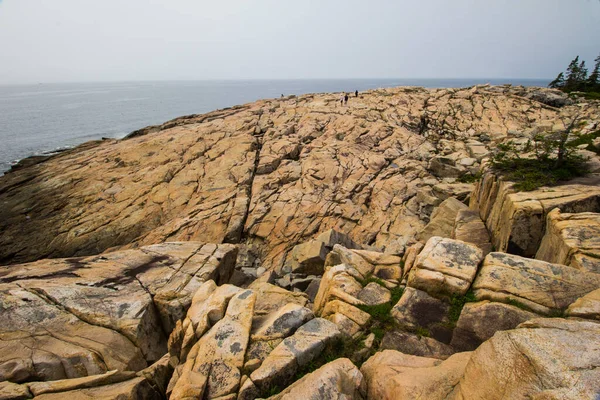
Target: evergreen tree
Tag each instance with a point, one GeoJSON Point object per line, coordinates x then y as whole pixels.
{"type": "Point", "coordinates": [593, 81]}
{"type": "Point", "coordinates": [572, 75]}
{"type": "Point", "coordinates": [582, 76]}
{"type": "Point", "coordinates": [559, 82]}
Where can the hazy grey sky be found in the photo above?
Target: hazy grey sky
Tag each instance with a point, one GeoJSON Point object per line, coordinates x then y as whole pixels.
{"type": "Point", "coordinates": [93, 40]}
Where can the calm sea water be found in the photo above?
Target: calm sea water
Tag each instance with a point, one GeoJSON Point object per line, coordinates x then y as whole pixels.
{"type": "Point", "coordinates": [35, 119]}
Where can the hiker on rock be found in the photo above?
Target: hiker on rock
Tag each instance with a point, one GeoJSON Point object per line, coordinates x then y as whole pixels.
{"type": "Point", "coordinates": [346, 98]}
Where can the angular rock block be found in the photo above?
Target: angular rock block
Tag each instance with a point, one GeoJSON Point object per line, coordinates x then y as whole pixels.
{"type": "Point", "coordinates": [537, 285]}
{"type": "Point", "coordinates": [442, 219]}
{"type": "Point", "coordinates": [338, 283]}
{"type": "Point", "coordinates": [479, 321]}
{"type": "Point", "coordinates": [309, 257]}
{"type": "Point", "coordinates": [469, 228]}
{"type": "Point", "coordinates": [587, 306]}
{"type": "Point", "coordinates": [516, 221]}
{"type": "Point", "coordinates": [393, 375]}
{"type": "Point", "coordinates": [417, 309]}
{"type": "Point", "coordinates": [294, 352]}
{"type": "Point", "coordinates": [572, 239]}
{"type": "Point", "coordinates": [269, 297]}
{"type": "Point", "coordinates": [339, 379]}
{"type": "Point", "coordinates": [445, 267]}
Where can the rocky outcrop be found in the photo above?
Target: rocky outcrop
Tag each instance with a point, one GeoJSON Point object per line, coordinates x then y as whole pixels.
{"type": "Point", "coordinates": [442, 219]}
{"type": "Point", "coordinates": [273, 173]}
{"type": "Point", "coordinates": [572, 239]}
{"type": "Point", "coordinates": [517, 221]}
{"type": "Point", "coordinates": [87, 316]}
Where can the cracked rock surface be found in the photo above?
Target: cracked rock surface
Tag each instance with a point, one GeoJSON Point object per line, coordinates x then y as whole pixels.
{"type": "Point", "coordinates": [271, 173]}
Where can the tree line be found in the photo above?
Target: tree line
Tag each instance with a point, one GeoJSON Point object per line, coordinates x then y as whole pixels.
{"type": "Point", "coordinates": [576, 77]}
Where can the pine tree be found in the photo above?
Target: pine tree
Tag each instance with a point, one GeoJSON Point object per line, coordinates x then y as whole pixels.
{"type": "Point", "coordinates": [558, 83]}
{"type": "Point", "coordinates": [572, 75]}
{"type": "Point", "coordinates": [582, 76]}
{"type": "Point", "coordinates": [593, 81]}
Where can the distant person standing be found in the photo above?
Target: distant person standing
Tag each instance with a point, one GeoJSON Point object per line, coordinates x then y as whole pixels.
{"type": "Point", "coordinates": [346, 98]}
{"type": "Point", "coordinates": [342, 99]}
{"type": "Point", "coordinates": [356, 93]}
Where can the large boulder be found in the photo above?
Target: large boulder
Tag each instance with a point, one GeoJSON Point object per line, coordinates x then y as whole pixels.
{"type": "Point", "coordinates": [393, 375]}
{"type": "Point", "coordinates": [469, 228]}
{"type": "Point", "coordinates": [572, 239]}
{"type": "Point", "coordinates": [445, 267]}
{"type": "Point", "coordinates": [548, 358]}
{"type": "Point", "coordinates": [536, 285]}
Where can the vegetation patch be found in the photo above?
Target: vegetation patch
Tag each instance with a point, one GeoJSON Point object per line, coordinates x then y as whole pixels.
{"type": "Point", "coordinates": [543, 161]}
{"type": "Point", "coordinates": [469, 178]}
{"type": "Point", "coordinates": [586, 139]}
{"type": "Point", "coordinates": [382, 320]}
{"type": "Point", "coordinates": [456, 305]}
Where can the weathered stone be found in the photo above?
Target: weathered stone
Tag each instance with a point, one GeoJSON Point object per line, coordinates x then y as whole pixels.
{"type": "Point", "coordinates": [213, 366]}
{"type": "Point", "coordinates": [516, 221]}
{"type": "Point", "coordinates": [416, 309]}
{"type": "Point", "coordinates": [339, 379]}
{"type": "Point", "coordinates": [346, 325]}
{"type": "Point", "coordinates": [14, 391]}
{"type": "Point", "coordinates": [281, 323]}
{"type": "Point", "coordinates": [354, 313]}
{"type": "Point", "coordinates": [374, 294]}
{"type": "Point", "coordinates": [443, 167]}
{"type": "Point", "coordinates": [294, 352]}
{"type": "Point", "coordinates": [442, 219]}
{"type": "Point", "coordinates": [159, 373]}
{"type": "Point", "coordinates": [479, 321]}
{"type": "Point", "coordinates": [469, 228]}
{"type": "Point", "coordinates": [313, 289]}
{"type": "Point", "coordinates": [342, 255]}
{"type": "Point", "coordinates": [543, 358]}
{"type": "Point", "coordinates": [309, 258]}
{"type": "Point", "coordinates": [393, 375]}
{"type": "Point", "coordinates": [270, 297]}
{"type": "Point", "coordinates": [409, 343]}
{"type": "Point", "coordinates": [587, 306]}
{"type": "Point", "coordinates": [537, 285]}
{"type": "Point", "coordinates": [445, 267]}
{"type": "Point", "coordinates": [572, 239]}
{"type": "Point", "coordinates": [338, 283]}
{"type": "Point", "coordinates": [410, 256]}
{"type": "Point", "coordinates": [134, 389]}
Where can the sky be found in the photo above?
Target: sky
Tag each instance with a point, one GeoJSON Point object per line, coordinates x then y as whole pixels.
{"type": "Point", "coordinates": [121, 40]}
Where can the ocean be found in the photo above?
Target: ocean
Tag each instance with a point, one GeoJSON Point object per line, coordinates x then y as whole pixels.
{"type": "Point", "coordinates": [42, 118]}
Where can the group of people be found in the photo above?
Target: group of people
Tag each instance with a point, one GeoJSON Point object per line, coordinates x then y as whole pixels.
{"type": "Point", "coordinates": [344, 97]}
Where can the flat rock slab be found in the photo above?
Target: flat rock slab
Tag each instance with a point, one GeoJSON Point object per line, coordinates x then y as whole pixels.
{"type": "Point", "coordinates": [86, 316]}
{"type": "Point", "coordinates": [536, 285]}
{"type": "Point", "coordinates": [587, 306]}
{"type": "Point", "coordinates": [572, 239]}
{"type": "Point", "coordinates": [468, 227]}
{"type": "Point", "coordinates": [442, 219]}
{"type": "Point", "coordinates": [445, 267]}
{"type": "Point", "coordinates": [409, 343]}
